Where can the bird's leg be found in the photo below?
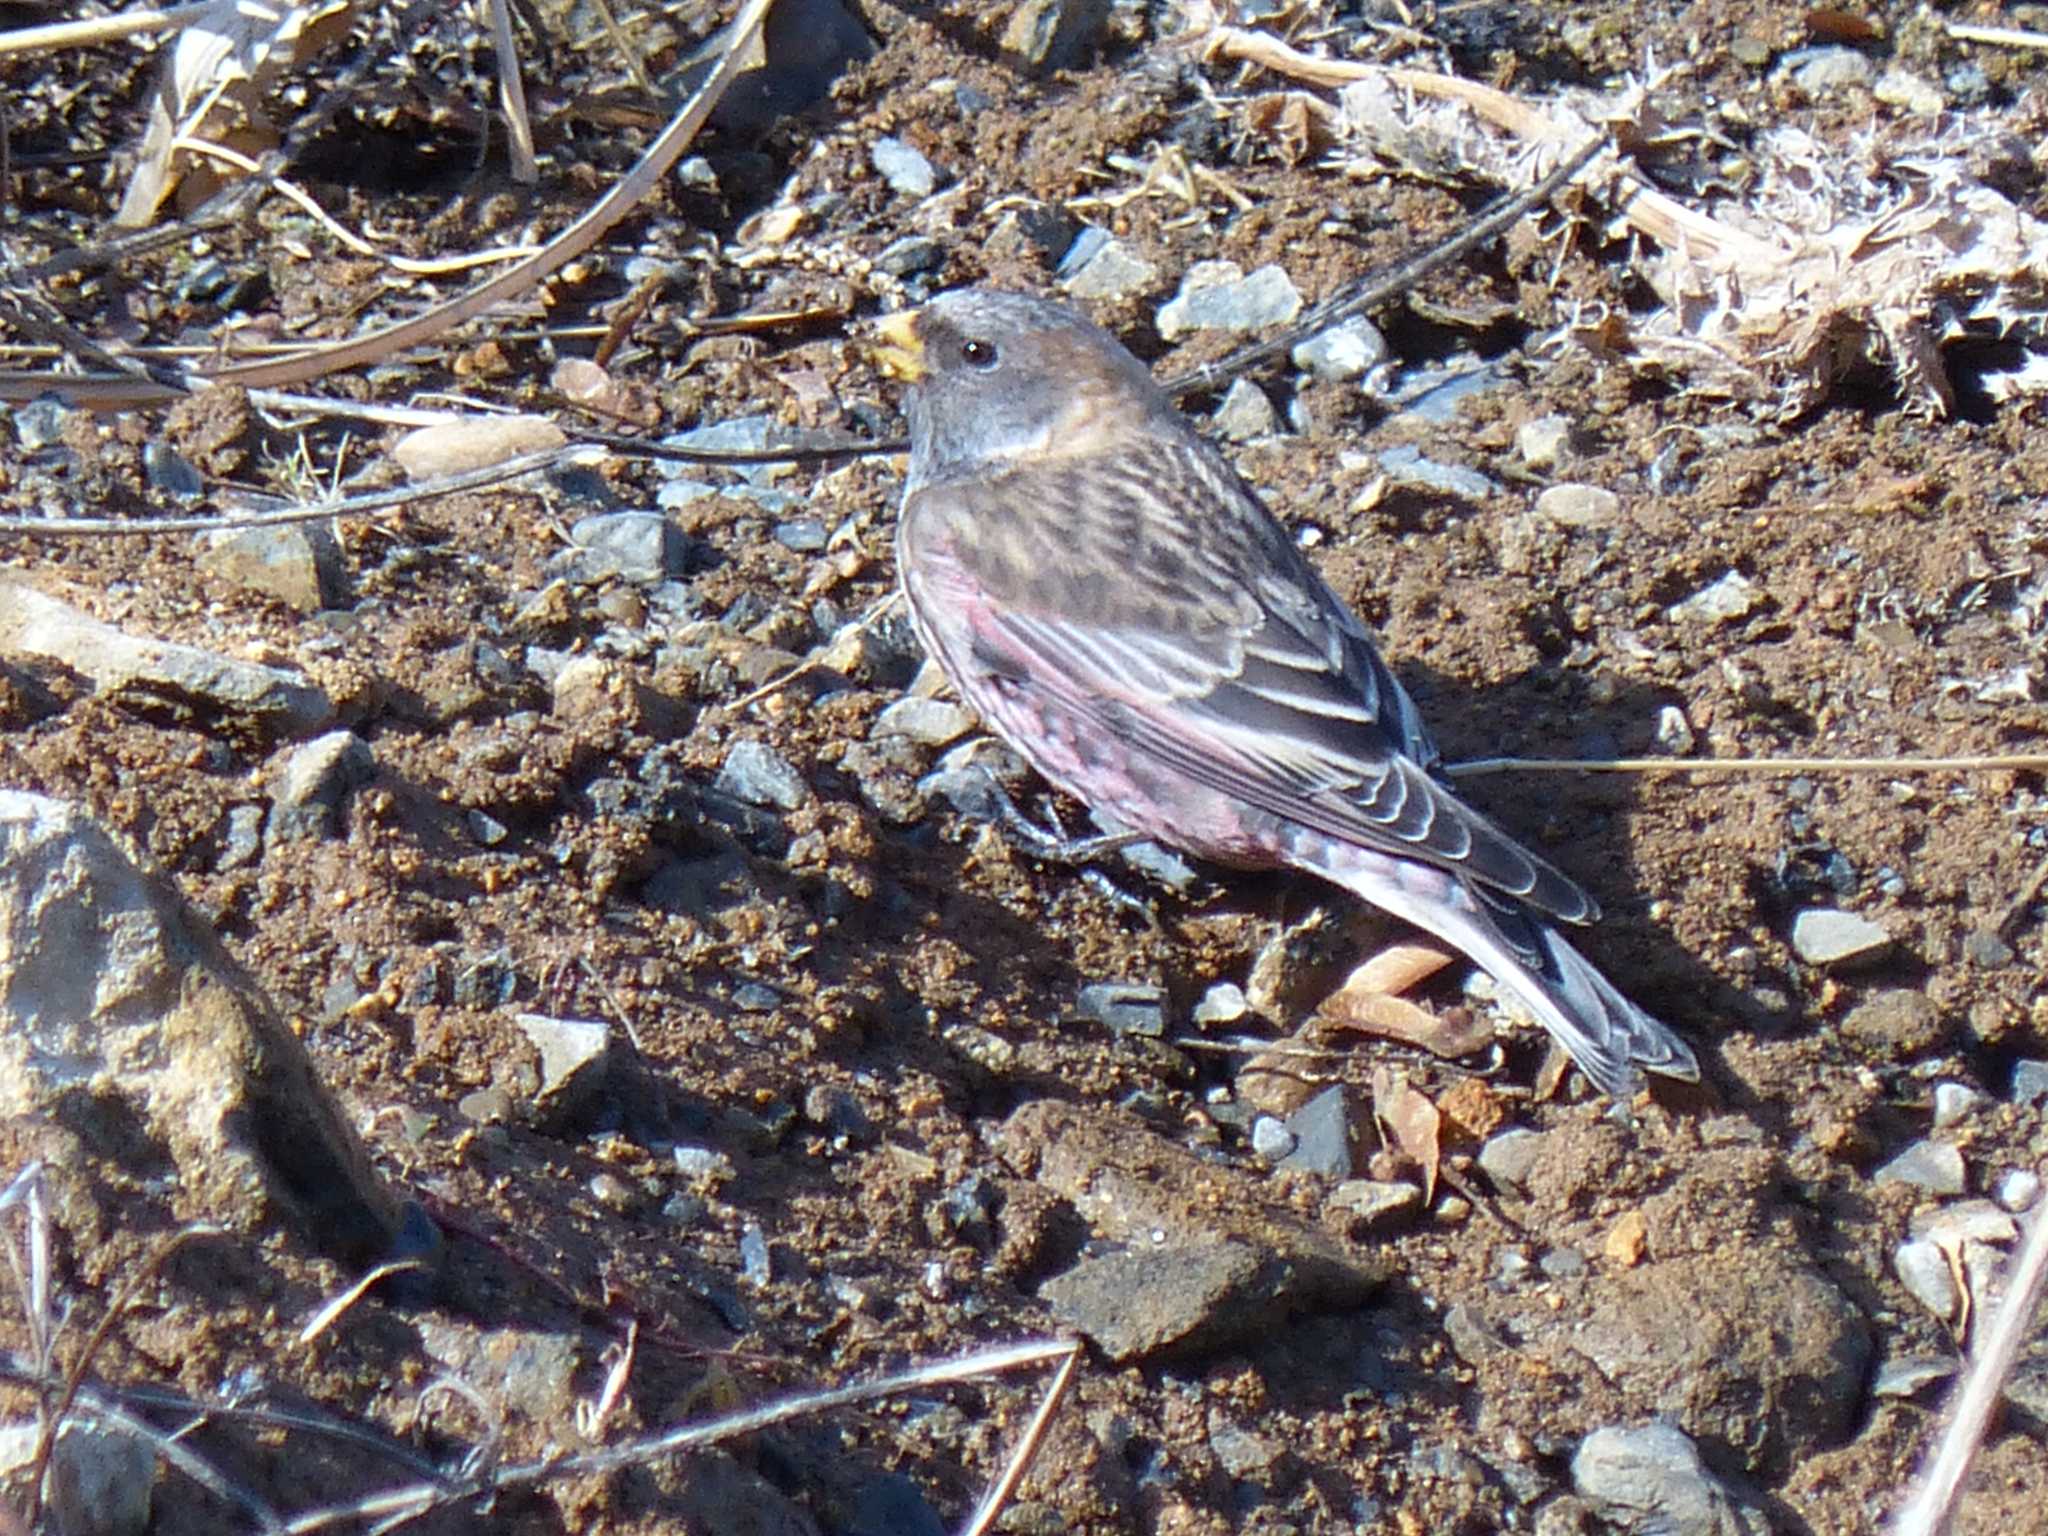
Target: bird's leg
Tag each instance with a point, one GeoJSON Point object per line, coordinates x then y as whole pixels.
{"type": "Point", "coordinates": [1052, 845]}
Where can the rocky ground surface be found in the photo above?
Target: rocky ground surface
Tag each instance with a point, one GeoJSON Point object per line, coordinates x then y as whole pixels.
{"type": "Point", "coordinates": [700, 1010]}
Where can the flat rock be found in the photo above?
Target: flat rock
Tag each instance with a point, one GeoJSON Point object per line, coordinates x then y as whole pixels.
{"type": "Point", "coordinates": [1246, 413]}
{"type": "Point", "coordinates": [1221, 296]}
{"type": "Point", "coordinates": [1248, 1265]}
{"type": "Point", "coordinates": [298, 564]}
{"type": "Point", "coordinates": [315, 783]}
{"type": "Point", "coordinates": [474, 442]}
{"type": "Point", "coordinates": [1730, 598]}
{"type": "Point", "coordinates": [759, 775]}
{"type": "Point", "coordinates": [1045, 35]}
{"type": "Point", "coordinates": [1934, 1166]}
{"type": "Point", "coordinates": [1099, 266]}
{"type": "Point", "coordinates": [929, 722]}
{"type": "Point", "coordinates": [119, 1008]}
{"type": "Point", "coordinates": [1651, 1478]}
{"type": "Point", "coordinates": [575, 1061]}
{"type": "Point", "coordinates": [1830, 936]}
{"type": "Point", "coordinates": [146, 672]}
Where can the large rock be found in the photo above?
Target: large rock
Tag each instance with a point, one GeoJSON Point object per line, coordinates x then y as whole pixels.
{"type": "Point", "coordinates": [124, 1022]}
{"type": "Point", "coordinates": [147, 672]}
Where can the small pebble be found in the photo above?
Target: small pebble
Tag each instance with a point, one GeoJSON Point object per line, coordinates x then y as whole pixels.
{"type": "Point", "coordinates": [1544, 443]}
{"type": "Point", "coordinates": [1906, 1377]}
{"type": "Point", "coordinates": [1830, 936]}
{"type": "Point", "coordinates": [1923, 1270]}
{"type": "Point", "coordinates": [755, 1264]}
{"type": "Point", "coordinates": [1223, 1003]}
{"type": "Point", "coordinates": [1934, 1166]}
{"type": "Point", "coordinates": [929, 722]}
{"type": "Point", "coordinates": [1342, 353]}
{"type": "Point", "coordinates": [758, 774]}
{"type": "Point", "coordinates": [1220, 296]}
{"type": "Point", "coordinates": [1825, 72]}
{"type": "Point", "coordinates": [1733, 596]}
{"type": "Point", "coordinates": [1270, 1139]}
{"type": "Point", "coordinates": [1579, 506]}
{"type": "Point", "coordinates": [2029, 1083]}
{"type": "Point", "coordinates": [2018, 1189]}
{"type": "Point", "coordinates": [1098, 266]}
{"type": "Point", "coordinates": [903, 168]}
{"type": "Point", "coordinates": [806, 537]}
{"type": "Point", "coordinates": [1674, 731]}
{"type": "Point", "coordinates": [1246, 413]}
{"type": "Point", "coordinates": [1953, 1102]}
{"type": "Point", "coordinates": [1124, 1007]}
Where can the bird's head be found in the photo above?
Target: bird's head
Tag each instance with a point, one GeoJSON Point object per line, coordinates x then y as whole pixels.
{"type": "Point", "coordinates": [996, 376]}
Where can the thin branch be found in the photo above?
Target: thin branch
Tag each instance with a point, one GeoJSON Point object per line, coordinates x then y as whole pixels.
{"type": "Point", "coordinates": [1929, 1514]}
{"type": "Point", "coordinates": [2016, 762]}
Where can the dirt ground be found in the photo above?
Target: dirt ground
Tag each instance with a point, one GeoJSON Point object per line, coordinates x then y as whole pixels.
{"type": "Point", "coordinates": [853, 1003]}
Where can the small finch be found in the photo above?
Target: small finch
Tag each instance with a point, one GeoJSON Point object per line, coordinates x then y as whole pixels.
{"type": "Point", "coordinates": [1121, 608]}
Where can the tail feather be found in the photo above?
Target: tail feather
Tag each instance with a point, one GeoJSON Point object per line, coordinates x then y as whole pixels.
{"type": "Point", "coordinates": [1612, 1040]}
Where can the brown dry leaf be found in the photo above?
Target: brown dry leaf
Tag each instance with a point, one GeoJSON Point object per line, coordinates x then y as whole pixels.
{"type": "Point", "coordinates": [593, 388]}
{"type": "Point", "coordinates": [1409, 1121]}
{"type": "Point", "coordinates": [229, 54]}
{"type": "Point", "coordinates": [1298, 126]}
{"type": "Point", "coordinates": [1397, 969]}
{"type": "Point", "coordinates": [1627, 1239]}
{"type": "Point", "coordinates": [1454, 1032]}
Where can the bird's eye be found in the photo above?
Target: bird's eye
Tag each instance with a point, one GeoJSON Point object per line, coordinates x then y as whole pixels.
{"type": "Point", "coordinates": [978, 354]}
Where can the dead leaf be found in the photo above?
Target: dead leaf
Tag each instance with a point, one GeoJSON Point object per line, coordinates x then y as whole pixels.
{"type": "Point", "coordinates": [1410, 1122]}
{"type": "Point", "coordinates": [1297, 125]}
{"type": "Point", "coordinates": [1397, 969]}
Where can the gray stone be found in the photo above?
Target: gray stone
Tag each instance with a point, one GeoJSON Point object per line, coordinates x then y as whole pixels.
{"type": "Point", "coordinates": [1322, 1134]}
{"type": "Point", "coordinates": [1242, 1453]}
{"type": "Point", "coordinates": [148, 673]}
{"type": "Point", "coordinates": [1246, 413]}
{"type": "Point", "coordinates": [1934, 1166]}
{"type": "Point", "coordinates": [1983, 948]}
{"type": "Point", "coordinates": [315, 783]}
{"type": "Point", "coordinates": [121, 1015]}
{"type": "Point", "coordinates": [1271, 1139]}
{"type": "Point", "coordinates": [2018, 1189]}
{"type": "Point", "coordinates": [1220, 296]}
{"type": "Point", "coordinates": [1046, 35]}
{"type": "Point", "coordinates": [1909, 1375]}
{"type": "Point", "coordinates": [1652, 1479]}
{"type": "Point", "coordinates": [1098, 266]}
{"type": "Point", "coordinates": [1409, 465]}
{"type": "Point", "coordinates": [1143, 1302]}
{"type": "Point", "coordinates": [1510, 1157]}
{"type": "Point", "coordinates": [170, 472]}
{"type": "Point", "coordinates": [1822, 73]}
{"type": "Point", "coordinates": [1923, 1270]}
{"type": "Point", "coordinates": [1562, 1264]}
{"type": "Point", "coordinates": [1902, 88]}
{"type": "Point", "coordinates": [907, 171]}
{"type": "Point", "coordinates": [98, 1480]}
{"type": "Point", "coordinates": [702, 1163]}
{"type": "Point", "coordinates": [806, 535]}
{"type": "Point", "coordinates": [241, 837]}
{"type": "Point", "coordinates": [759, 775]}
{"type": "Point", "coordinates": [1342, 353]}
{"type": "Point", "coordinates": [1829, 936]}
{"type": "Point", "coordinates": [1896, 1022]}
{"type": "Point", "coordinates": [2029, 1083]}
{"type": "Point", "coordinates": [638, 547]}
{"type": "Point", "coordinates": [929, 722]}
{"type": "Point", "coordinates": [1953, 1102]}
{"type": "Point", "coordinates": [1545, 443]}
{"type": "Point", "coordinates": [910, 255]}
{"type": "Point", "coordinates": [1572, 505]}
{"type": "Point", "coordinates": [575, 1060]}
{"type": "Point", "coordinates": [757, 1266]}
{"type": "Point", "coordinates": [1223, 1003]}
{"type": "Point", "coordinates": [41, 423]}
{"type": "Point", "coordinates": [1377, 1204]}
{"type": "Point", "coordinates": [1124, 1007]}
{"type": "Point", "coordinates": [1732, 597]}
{"type": "Point", "coordinates": [1674, 731]}
{"type": "Point", "coordinates": [299, 565]}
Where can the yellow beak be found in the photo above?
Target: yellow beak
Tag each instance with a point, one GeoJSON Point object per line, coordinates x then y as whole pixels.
{"type": "Point", "coordinates": [898, 350]}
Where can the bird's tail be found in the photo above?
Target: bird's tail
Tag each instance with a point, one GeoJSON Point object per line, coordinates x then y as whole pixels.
{"type": "Point", "coordinates": [1612, 1040]}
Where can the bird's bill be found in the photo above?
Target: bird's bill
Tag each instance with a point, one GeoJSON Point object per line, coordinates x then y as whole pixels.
{"type": "Point", "coordinates": [898, 349]}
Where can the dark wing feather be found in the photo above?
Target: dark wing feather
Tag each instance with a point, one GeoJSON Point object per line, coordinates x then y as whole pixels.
{"type": "Point", "coordinates": [1217, 652]}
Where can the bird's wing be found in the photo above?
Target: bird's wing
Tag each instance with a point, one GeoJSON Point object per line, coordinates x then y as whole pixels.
{"type": "Point", "coordinates": [1183, 623]}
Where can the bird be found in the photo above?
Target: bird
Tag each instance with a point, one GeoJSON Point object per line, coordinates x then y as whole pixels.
{"type": "Point", "coordinates": [1101, 586]}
